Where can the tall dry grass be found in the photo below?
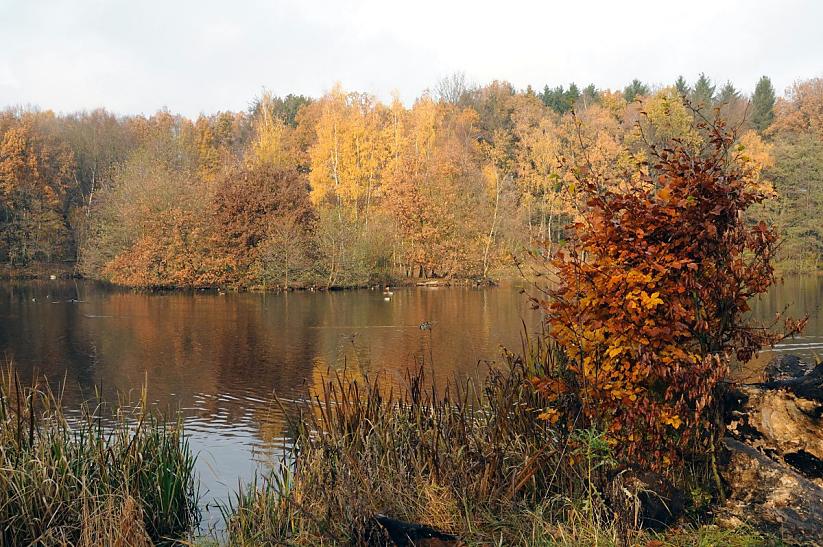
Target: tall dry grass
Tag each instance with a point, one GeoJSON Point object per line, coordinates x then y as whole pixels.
{"type": "Point", "coordinates": [101, 477]}
{"type": "Point", "coordinates": [471, 459]}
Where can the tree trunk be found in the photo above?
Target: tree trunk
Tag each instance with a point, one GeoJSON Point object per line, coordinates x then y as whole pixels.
{"type": "Point", "coordinates": [493, 226]}
{"type": "Point", "coordinates": [775, 468]}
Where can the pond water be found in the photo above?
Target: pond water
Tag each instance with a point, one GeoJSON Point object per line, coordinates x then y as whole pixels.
{"type": "Point", "coordinates": [219, 358]}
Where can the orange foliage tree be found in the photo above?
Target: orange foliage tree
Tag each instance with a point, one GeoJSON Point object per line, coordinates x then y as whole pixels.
{"type": "Point", "coordinates": [652, 294]}
{"type": "Point", "coordinates": [35, 172]}
{"type": "Point", "coordinates": [251, 206]}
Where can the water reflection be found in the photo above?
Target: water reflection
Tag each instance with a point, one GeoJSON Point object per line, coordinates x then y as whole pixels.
{"type": "Point", "coordinates": [795, 296]}
{"type": "Point", "coordinates": [219, 358]}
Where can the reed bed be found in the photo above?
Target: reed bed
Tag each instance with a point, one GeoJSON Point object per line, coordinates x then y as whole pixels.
{"type": "Point", "coordinates": [122, 476]}
{"type": "Point", "coordinates": [470, 459]}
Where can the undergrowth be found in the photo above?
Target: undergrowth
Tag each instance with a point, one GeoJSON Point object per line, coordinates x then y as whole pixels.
{"type": "Point", "coordinates": [122, 476]}
{"type": "Point", "coordinates": [470, 459]}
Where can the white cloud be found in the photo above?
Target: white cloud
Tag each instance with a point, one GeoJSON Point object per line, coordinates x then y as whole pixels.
{"type": "Point", "coordinates": [7, 77]}
{"type": "Point", "coordinates": [203, 56]}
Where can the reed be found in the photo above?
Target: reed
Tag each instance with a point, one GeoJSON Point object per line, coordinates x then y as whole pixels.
{"type": "Point", "coordinates": [121, 476]}
{"type": "Point", "coordinates": [471, 459]}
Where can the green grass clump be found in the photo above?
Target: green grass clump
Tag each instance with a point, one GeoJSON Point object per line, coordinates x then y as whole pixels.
{"type": "Point", "coordinates": [122, 477]}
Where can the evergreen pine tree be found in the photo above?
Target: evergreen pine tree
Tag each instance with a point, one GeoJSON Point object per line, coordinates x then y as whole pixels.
{"type": "Point", "coordinates": [728, 93]}
{"type": "Point", "coordinates": [763, 104]}
{"type": "Point", "coordinates": [681, 86]}
{"type": "Point", "coordinates": [703, 93]}
{"type": "Point", "coordinates": [572, 96]}
{"type": "Point", "coordinates": [590, 95]}
{"type": "Point", "coordinates": [634, 90]}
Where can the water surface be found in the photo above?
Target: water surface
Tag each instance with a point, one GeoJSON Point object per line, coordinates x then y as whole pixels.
{"type": "Point", "coordinates": [219, 358]}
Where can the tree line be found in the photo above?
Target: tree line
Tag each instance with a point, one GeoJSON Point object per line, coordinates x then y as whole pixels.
{"type": "Point", "coordinates": [346, 190]}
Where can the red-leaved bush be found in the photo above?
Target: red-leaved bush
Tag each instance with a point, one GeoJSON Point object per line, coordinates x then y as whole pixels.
{"type": "Point", "coordinates": [651, 298]}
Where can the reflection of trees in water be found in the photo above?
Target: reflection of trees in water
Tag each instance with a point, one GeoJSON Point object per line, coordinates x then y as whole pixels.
{"type": "Point", "coordinates": [220, 357]}
{"type": "Point", "coordinates": [35, 334]}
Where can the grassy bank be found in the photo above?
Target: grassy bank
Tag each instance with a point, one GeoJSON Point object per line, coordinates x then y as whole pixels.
{"type": "Point", "coordinates": [100, 477]}
{"type": "Point", "coordinates": [39, 270]}
{"type": "Point", "coordinates": [469, 459]}
{"type": "Point", "coordinates": [68, 270]}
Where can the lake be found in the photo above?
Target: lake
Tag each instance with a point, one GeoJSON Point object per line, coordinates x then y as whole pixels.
{"type": "Point", "coordinates": [219, 358]}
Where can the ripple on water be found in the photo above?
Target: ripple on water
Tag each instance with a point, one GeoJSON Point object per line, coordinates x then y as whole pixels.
{"type": "Point", "coordinates": [220, 359]}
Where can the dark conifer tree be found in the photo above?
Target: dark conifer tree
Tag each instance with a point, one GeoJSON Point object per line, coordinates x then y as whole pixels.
{"type": "Point", "coordinates": [763, 104]}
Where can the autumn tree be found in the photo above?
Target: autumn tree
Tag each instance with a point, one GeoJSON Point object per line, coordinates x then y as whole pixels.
{"type": "Point", "coordinates": [462, 183]}
{"type": "Point", "coordinates": [451, 89]}
{"type": "Point", "coordinates": [287, 252]}
{"type": "Point", "coordinates": [663, 117]}
{"type": "Point", "coordinates": [597, 137]}
{"type": "Point", "coordinates": [272, 136]}
{"type": "Point", "coordinates": [348, 159]}
{"type": "Point", "coordinates": [801, 111]}
{"type": "Point", "coordinates": [797, 174]}
{"type": "Point", "coordinates": [434, 190]}
{"type": "Point", "coordinates": [36, 170]}
{"type": "Point", "coordinates": [348, 154]}
{"type": "Point", "coordinates": [262, 215]}
{"type": "Point", "coordinates": [537, 171]}
{"type": "Point", "coordinates": [282, 108]}
{"type": "Point", "coordinates": [651, 297]}
{"type": "Point", "coordinates": [100, 143]}
{"type": "Point", "coordinates": [147, 228]}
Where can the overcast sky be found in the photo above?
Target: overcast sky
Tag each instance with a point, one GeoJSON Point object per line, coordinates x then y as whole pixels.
{"type": "Point", "coordinates": [208, 55]}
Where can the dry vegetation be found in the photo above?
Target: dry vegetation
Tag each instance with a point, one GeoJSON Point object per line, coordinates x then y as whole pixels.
{"type": "Point", "coordinates": [97, 477]}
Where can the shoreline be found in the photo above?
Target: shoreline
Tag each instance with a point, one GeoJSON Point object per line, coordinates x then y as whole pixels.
{"type": "Point", "coordinates": [65, 271]}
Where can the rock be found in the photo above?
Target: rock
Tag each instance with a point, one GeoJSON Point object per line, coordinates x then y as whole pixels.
{"type": "Point", "coordinates": [785, 367]}
{"type": "Point", "coordinates": [769, 494]}
{"type": "Point", "coordinates": [383, 530]}
{"type": "Point", "coordinates": [784, 415]}
{"type": "Point", "coordinates": [780, 421]}
{"type": "Point", "coordinates": [775, 468]}
{"type": "Point", "coordinates": [643, 499]}
{"type": "Point", "coordinates": [808, 386]}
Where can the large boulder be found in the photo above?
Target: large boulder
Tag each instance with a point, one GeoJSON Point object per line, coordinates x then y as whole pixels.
{"type": "Point", "coordinates": [769, 494]}
{"type": "Point", "coordinates": [783, 416]}
{"type": "Point", "coordinates": [774, 472]}
{"type": "Point", "coordinates": [786, 367]}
